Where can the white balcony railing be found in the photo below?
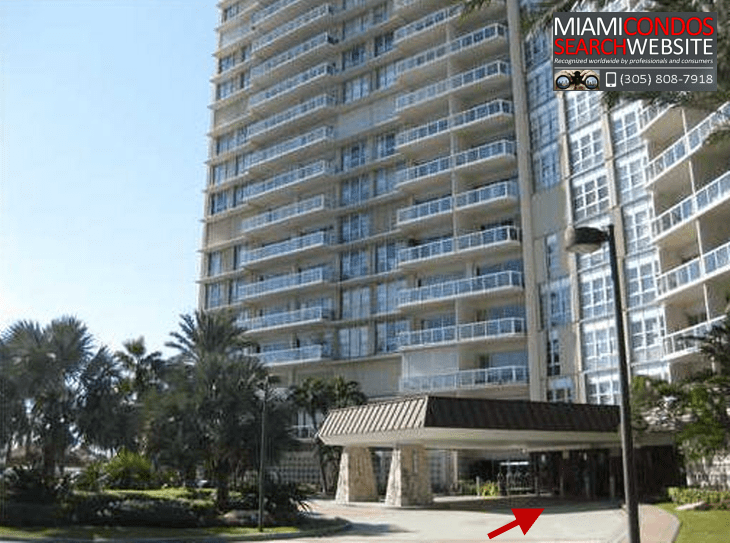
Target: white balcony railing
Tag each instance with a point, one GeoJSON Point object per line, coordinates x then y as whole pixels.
{"type": "Point", "coordinates": [319, 71]}
{"type": "Point", "coordinates": [715, 261]}
{"type": "Point", "coordinates": [282, 248]}
{"type": "Point", "coordinates": [476, 378]}
{"type": "Point", "coordinates": [426, 209]}
{"type": "Point", "coordinates": [283, 180]}
{"type": "Point", "coordinates": [319, 12]}
{"type": "Point", "coordinates": [303, 207]}
{"type": "Point", "coordinates": [496, 191]}
{"type": "Point", "coordinates": [498, 67]}
{"type": "Point", "coordinates": [264, 13]}
{"type": "Point", "coordinates": [685, 341]}
{"type": "Point", "coordinates": [499, 328]}
{"type": "Point", "coordinates": [283, 283]}
{"type": "Point", "coordinates": [483, 239]}
{"type": "Point", "coordinates": [487, 151]}
{"type": "Point", "coordinates": [687, 144]}
{"type": "Point", "coordinates": [715, 192]}
{"type": "Point", "coordinates": [461, 287]}
{"type": "Point", "coordinates": [318, 135]}
{"type": "Point", "coordinates": [300, 110]}
{"type": "Point", "coordinates": [275, 320]}
{"type": "Point", "coordinates": [317, 42]}
{"type": "Point", "coordinates": [461, 43]}
{"type": "Point", "coordinates": [477, 113]}
{"type": "Point", "coordinates": [425, 23]}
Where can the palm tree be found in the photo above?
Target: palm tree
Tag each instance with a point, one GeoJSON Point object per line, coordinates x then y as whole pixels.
{"type": "Point", "coordinates": [205, 333]}
{"type": "Point", "coordinates": [145, 367]}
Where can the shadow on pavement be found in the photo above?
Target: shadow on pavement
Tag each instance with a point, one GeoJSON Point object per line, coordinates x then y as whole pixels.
{"type": "Point", "coordinates": [366, 529]}
{"type": "Point", "coordinates": [552, 505]}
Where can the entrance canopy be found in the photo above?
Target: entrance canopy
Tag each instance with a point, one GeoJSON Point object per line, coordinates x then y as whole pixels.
{"type": "Point", "coordinates": [441, 422]}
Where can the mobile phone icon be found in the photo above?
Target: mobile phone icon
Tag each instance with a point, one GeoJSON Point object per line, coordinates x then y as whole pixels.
{"type": "Point", "coordinates": [610, 79]}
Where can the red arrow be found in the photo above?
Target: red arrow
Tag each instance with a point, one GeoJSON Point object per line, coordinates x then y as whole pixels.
{"type": "Point", "coordinates": [524, 518]}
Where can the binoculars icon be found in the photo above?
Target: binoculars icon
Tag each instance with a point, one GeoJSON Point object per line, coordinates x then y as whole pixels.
{"type": "Point", "coordinates": [577, 80]}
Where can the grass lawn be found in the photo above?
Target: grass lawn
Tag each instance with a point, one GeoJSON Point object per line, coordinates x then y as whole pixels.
{"type": "Point", "coordinates": [700, 526]}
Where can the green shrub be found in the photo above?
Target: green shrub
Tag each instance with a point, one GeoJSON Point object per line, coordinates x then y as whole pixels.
{"type": "Point", "coordinates": [681, 495]}
{"type": "Point", "coordinates": [489, 488]}
{"type": "Point", "coordinates": [32, 486]}
{"type": "Point", "coordinates": [467, 488]}
{"type": "Point", "coordinates": [128, 470]}
{"type": "Point", "coordinates": [92, 478]}
{"type": "Point", "coordinates": [282, 501]}
{"type": "Point", "coordinates": [135, 510]}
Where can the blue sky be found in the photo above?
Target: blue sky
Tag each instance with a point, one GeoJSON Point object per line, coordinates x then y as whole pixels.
{"type": "Point", "coordinates": [103, 115]}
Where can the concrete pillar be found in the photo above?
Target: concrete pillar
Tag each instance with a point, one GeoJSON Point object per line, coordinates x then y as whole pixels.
{"type": "Point", "coordinates": [356, 482]}
{"type": "Point", "coordinates": [409, 480]}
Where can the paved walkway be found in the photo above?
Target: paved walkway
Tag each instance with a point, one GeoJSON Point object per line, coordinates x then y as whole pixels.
{"type": "Point", "coordinates": [467, 520]}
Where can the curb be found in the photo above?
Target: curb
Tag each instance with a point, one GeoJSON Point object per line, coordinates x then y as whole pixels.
{"type": "Point", "coordinates": [339, 526]}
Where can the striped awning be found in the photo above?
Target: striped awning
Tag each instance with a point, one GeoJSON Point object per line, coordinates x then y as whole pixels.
{"type": "Point", "coordinates": [439, 421]}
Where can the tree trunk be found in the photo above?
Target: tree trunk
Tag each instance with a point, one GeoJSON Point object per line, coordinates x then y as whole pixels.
{"type": "Point", "coordinates": [222, 490]}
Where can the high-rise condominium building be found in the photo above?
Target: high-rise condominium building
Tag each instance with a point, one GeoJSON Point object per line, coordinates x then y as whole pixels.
{"type": "Point", "coordinates": [389, 185]}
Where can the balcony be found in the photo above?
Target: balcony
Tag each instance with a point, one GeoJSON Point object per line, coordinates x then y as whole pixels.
{"type": "Point", "coordinates": [425, 25]}
{"type": "Point", "coordinates": [417, 213]}
{"type": "Point", "coordinates": [295, 55]}
{"type": "Point", "coordinates": [479, 199]}
{"type": "Point", "coordinates": [664, 165]}
{"type": "Point", "coordinates": [271, 14]}
{"type": "Point", "coordinates": [294, 146]}
{"type": "Point", "coordinates": [660, 123]}
{"type": "Point", "coordinates": [461, 288]}
{"type": "Point", "coordinates": [288, 247]}
{"type": "Point", "coordinates": [473, 331]}
{"type": "Point", "coordinates": [473, 41]}
{"type": "Point", "coordinates": [305, 109]}
{"type": "Point", "coordinates": [684, 341]}
{"type": "Point", "coordinates": [284, 213]}
{"type": "Point", "coordinates": [503, 236]}
{"type": "Point", "coordinates": [312, 75]}
{"type": "Point", "coordinates": [710, 196]}
{"type": "Point", "coordinates": [307, 315]}
{"type": "Point", "coordinates": [437, 131]}
{"type": "Point", "coordinates": [290, 28]}
{"type": "Point", "coordinates": [269, 190]}
{"type": "Point", "coordinates": [434, 169]}
{"type": "Point", "coordinates": [309, 353]}
{"type": "Point", "coordinates": [495, 72]}
{"type": "Point", "coordinates": [285, 283]}
{"type": "Point", "coordinates": [713, 263]}
{"type": "Point", "coordinates": [468, 379]}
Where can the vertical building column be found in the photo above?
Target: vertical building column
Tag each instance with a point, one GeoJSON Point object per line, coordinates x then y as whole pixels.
{"type": "Point", "coordinates": [409, 480]}
{"type": "Point", "coordinates": [356, 482]}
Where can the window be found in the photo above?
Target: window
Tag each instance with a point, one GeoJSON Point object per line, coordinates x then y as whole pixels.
{"type": "Point", "coordinates": [354, 264]}
{"type": "Point", "coordinates": [546, 167]}
{"type": "Point", "coordinates": [354, 57]}
{"type": "Point", "coordinates": [555, 303]}
{"type": "Point", "coordinates": [582, 107]}
{"type": "Point", "coordinates": [355, 303]}
{"type": "Point", "coordinates": [227, 62]}
{"type": "Point", "coordinates": [355, 26]}
{"type": "Point", "coordinates": [603, 389]}
{"type": "Point", "coordinates": [438, 321]}
{"type": "Point", "coordinates": [641, 276]}
{"type": "Point", "coordinates": [637, 219]}
{"type": "Point", "coordinates": [386, 257]}
{"type": "Point", "coordinates": [553, 353]}
{"type": "Point", "coordinates": [214, 295]}
{"type": "Point", "coordinates": [225, 89]}
{"type": "Point", "coordinates": [354, 155]}
{"type": "Point", "coordinates": [384, 146]}
{"type": "Point", "coordinates": [540, 85]}
{"type": "Point", "coordinates": [560, 395]}
{"type": "Point", "coordinates": [586, 150]}
{"type": "Point", "coordinates": [218, 202]}
{"type": "Point", "coordinates": [537, 48]}
{"type": "Point", "coordinates": [231, 11]}
{"type": "Point", "coordinates": [625, 130]}
{"type": "Point", "coordinates": [386, 335]}
{"type": "Point", "coordinates": [596, 294]}
{"type": "Point", "coordinates": [383, 43]}
{"type": "Point", "coordinates": [215, 263]}
{"type": "Point", "coordinates": [590, 196]}
{"type": "Point", "coordinates": [385, 76]}
{"type": "Point", "coordinates": [544, 125]}
{"type": "Point", "coordinates": [386, 296]}
{"type": "Point", "coordinates": [630, 173]}
{"type": "Point", "coordinates": [380, 13]}
{"type": "Point", "coordinates": [646, 330]}
{"type": "Point", "coordinates": [355, 190]}
{"type": "Point", "coordinates": [354, 227]}
{"type": "Point", "coordinates": [552, 256]}
{"type": "Point", "coordinates": [354, 342]}
{"type": "Point", "coordinates": [385, 179]}
{"type": "Point", "coordinates": [598, 343]}
{"type": "Point", "coordinates": [357, 88]}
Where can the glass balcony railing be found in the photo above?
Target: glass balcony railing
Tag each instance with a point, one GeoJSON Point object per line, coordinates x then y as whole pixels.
{"type": "Point", "coordinates": [274, 320]}
{"type": "Point", "coordinates": [319, 71]}
{"type": "Point", "coordinates": [508, 327]}
{"type": "Point", "coordinates": [319, 41]}
{"type": "Point", "coordinates": [685, 341]}
{"type": "Point", "coordinates": [716, 191]}
{"type": "Point", "coordinates": [281, 248]}
{"type": "Point", "coordinates": [432, 167]}
{"type": "Point", "coordinates": [425, 23]}
{"type": "Point", "coordinates": [286, 282]}
{"type": "Point", "coordinates": [498, 67]}
{"type": "Point", "coordinates": [649, 113]}
{"type": "Point", "coordinates": [283, 180]}
{"type": "Point", "coordinates": [300, 110]}
{"type": "Point", "coordinates": [687, 144]}
{"type": "Point", "coordinates": [461, 287]}
{"type": "Point", "coordinates": [318, 135]}
{"type": "Point", "coordinates": [475, 378]}
{"type": "Point", "coordinates": [495, 191]}
{"type": "Point", "coordinates": [320, 12]}
{"type": "Point", "coordinates": [316, 203]}
{"type": "Point", "coordinates": [486, 238]}
{"type": "Point", "coordinates": [714, 261]}
{"type": "Point", "coordinates": [482, 111]}
{"type": "Point", "coordinates": [261, 15]}
{"type": "Point", "coordinates": [461, 43]}
{"type": "Point", "coordinates": [426, 209]}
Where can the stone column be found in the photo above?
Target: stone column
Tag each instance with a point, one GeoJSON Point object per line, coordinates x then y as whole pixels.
{"type": "Point", "coordinates": [409, 480]}
{"type": "Point", "coordinates": [356, 482]}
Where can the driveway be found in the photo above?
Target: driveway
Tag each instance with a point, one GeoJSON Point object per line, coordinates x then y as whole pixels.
{"type": "Point", "coordinates": [459, 519]}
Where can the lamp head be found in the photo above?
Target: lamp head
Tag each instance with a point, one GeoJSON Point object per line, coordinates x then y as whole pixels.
{"type": "Point", "coordinates": [584, 239]}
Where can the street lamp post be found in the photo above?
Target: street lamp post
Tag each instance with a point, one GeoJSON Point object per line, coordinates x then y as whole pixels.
{"type": "Point", "coordinates": [262, 456]}
{"type": "Point", "coordinates": [588, 240]}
